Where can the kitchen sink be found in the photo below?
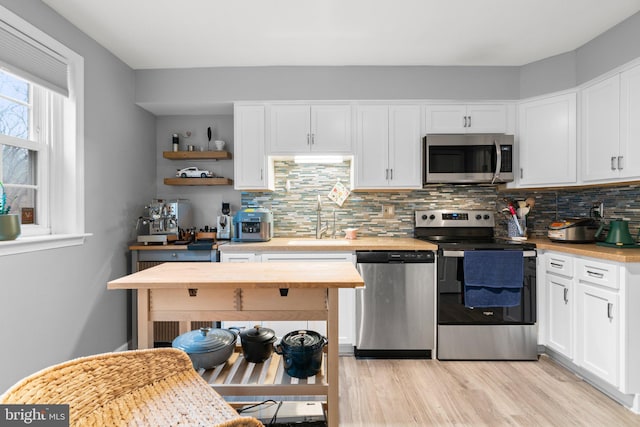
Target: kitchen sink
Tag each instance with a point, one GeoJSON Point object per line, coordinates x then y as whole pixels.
{"type": "Point", "coordinates": [318, 242]}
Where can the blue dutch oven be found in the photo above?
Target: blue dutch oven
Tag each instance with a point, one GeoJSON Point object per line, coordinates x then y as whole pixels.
{"type": "Point", "coordinates": [301, 353]}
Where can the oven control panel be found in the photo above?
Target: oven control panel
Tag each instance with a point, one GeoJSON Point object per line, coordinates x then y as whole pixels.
{"type": "Point", "coordinates": [455, 218]}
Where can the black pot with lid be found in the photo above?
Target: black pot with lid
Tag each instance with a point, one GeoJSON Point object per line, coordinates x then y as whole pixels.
{"type": "Point", "coordinates": [257, 343]}
{"type": "Point", "coordinates": [302, 353]}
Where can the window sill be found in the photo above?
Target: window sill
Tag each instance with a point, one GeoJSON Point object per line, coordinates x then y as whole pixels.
{"type": "Point", "coordinates": [40, 243]}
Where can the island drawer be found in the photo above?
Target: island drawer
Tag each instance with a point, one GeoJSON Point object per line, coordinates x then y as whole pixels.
{"type": "Point", "coordinates": [192, 299]}
{"type": "Point", "coordinates": [285, 299]}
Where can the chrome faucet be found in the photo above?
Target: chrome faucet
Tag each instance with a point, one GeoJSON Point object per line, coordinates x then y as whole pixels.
{"type": "Point", "coordinates": [320, 229]}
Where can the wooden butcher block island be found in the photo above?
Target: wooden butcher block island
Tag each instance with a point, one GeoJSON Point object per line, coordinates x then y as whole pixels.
{"type": "Point", "coordinates": [189, 291]}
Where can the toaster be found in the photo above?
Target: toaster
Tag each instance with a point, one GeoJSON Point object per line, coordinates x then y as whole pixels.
{"type": "Point", "coordinates": [573, 230]}
{"type": "Point", "coordinates": [253, 225]}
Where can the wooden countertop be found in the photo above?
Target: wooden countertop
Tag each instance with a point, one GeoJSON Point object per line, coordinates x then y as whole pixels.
{"type": "Point", "coordinates": [589, 250]}
{"type": "Point", "coordinates": [309, 244]}
{"type": "Point", "coordinates": [220, 275]}
{"type": "Point", "coordinates": [168, 247]}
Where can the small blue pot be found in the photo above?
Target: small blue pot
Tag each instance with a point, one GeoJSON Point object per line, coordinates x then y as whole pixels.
{"type": "Point", "coordinates": [301, 353]}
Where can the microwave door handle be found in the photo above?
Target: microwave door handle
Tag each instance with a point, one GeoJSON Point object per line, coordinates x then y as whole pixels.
{"type": "Point", "coordinates": [496, 175]}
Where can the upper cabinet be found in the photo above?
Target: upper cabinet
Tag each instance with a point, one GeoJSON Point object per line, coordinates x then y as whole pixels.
{"type": "Point", "coordinates": [547, 141]}
{"type": "Point", "coordinates": [251, 165]}
{"type": "Point", "coordinates": [302, 129]}
{"type": "Point", "coordinates": [388, 142]}
{"type": "Point", "coordinates": [610, 129]}
{"type": "Point", "coordinates": [471, 118]}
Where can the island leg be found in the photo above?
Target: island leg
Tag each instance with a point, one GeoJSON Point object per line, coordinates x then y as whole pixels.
{"type": "Point", "coordinates": [333, 402]}
{"type": "Point", "coordinates": [145, 327]}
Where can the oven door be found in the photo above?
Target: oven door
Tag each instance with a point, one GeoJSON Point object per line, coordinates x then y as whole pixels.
{"type": "Point", "coordinates": [468, 159]}
{"type": "Point", "coordinates": [451, 304]}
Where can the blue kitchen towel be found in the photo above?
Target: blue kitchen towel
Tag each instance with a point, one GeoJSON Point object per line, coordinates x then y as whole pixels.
{"type": "Point", "coordinates": [493, 278]}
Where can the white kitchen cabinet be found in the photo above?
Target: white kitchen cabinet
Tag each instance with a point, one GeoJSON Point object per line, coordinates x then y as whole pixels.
{"type": "Point", "coordinates": [309, 129]}
{"type": "Point", "coordinates": [560, 301]}
{"type": "Point", "coordinates": [547, 141]}
{"type": "Point", "coordinates": [597, 329]}
{"type": "Point", "coordinates": [251, 165]}
{"type": "Point", "coordinates": [388, 149]}
{"type": "Point", "coordinates": [466, 118]}
{"type": "Point", "coordinates": [239, 257]}
{"type": "Point", "coordinates": [610, 129]}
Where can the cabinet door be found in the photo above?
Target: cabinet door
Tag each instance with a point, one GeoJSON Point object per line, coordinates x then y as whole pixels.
{"type": "Point", "coordinates": [404, 147]}
{"type": "Point", "coordinates": [547, 135]}
{"type": "Point", "coordinates": [597, 326]}
{"type": "Point", "coordinates": [446, 118]}
{"type": "Point", "coordinates": [290, 129]}
{"type": "Point", "coordinates": [559, 312]}
{"type": "Point", "coordinates": [372, 146]}
{"type": "Point", "coordinates": [489, 118]}
{"type": "Point", "coordinates": [629, 123]}
{"type": "Point", "coordinates": [331, 129]}
{"type": "Point", "coordinates": [600, 117]}
{"type": "Point", "coordinates": [250, 162]}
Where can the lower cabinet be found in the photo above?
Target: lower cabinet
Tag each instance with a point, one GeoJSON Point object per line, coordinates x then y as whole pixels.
{"type": "Point", "coordinates": [560, 301]}
{"type": "Point", "coordinates": [346, 324]}
{"type": "Point", "coordinates": [597, 331]}
{"type": "Point", "coordinates": [590, 317]}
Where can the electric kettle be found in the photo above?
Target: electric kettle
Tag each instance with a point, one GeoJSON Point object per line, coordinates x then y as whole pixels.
{"type": "Point", "coordinates": [618, 236]}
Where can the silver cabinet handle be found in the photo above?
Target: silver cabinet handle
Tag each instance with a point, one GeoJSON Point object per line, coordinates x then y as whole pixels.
{"type": "Point", "coordinates": [595, 274]}
{"type": "Point", "coordinates": [613, 163]}
{"type": "Point", "coordinates": [620, 162]}
{"type": "Point", "coordinates": [610, 310]}
{"type": "Point", "coordinates": [465, 122]}
{"type": "Point", "coordinates": [308, 139]}
{"type": "Point", "coordinates": [566, 295]}
{"type": "Point", "coordinates": [386, 174]}
{"type": "Point", "coordinates": [173, 254]}
{"type": "Point", "coordinates": [261, 174]}
{"type": "Point", "coordinates": [521, 173]}
{"type": "Point", "coordinates": [313, 138]}
{"type": "Point", "coordinates": [469, 120]}
{"type": "Point", "coordinates": [391, 174]}
{"type": "Point", "coordinates": [555, 265]}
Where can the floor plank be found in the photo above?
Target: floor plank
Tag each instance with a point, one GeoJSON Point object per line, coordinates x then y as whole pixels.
{"type": "Point", "coordinates": [400, 393]}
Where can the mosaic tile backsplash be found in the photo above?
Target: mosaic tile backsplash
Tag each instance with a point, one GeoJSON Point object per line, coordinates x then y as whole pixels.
{"type": "Point", "coordinates": [294, 203]}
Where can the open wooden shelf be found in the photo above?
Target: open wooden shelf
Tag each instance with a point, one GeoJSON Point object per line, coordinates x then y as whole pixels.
{"type": "Point", "coordinates": [196, 155]}
{"type": "Point", "coordinates": [198, 181]}
{"type": "Point", "coordinates": [237, 377]}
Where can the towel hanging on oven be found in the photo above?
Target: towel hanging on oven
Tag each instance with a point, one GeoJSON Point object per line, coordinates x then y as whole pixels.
{"type": "Point", "coordinates": [493, 278]}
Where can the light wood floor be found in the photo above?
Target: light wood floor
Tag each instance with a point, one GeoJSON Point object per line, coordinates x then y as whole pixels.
{"type": "Point", "coordinates": [402, 393]}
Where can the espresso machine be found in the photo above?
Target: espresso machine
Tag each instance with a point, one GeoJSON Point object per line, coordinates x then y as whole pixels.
{"type": "Point", "coordinates": [163, 221]}
{"type": "Point", "coordinates": [224, 225]}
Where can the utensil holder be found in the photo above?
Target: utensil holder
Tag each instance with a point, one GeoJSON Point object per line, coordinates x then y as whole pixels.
{"type": "Point", "coordinates": [512, 229]}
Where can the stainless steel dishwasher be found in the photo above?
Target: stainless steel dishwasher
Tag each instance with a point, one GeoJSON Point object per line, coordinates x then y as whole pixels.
{"type": "Point", "coordinates": [395, 311]}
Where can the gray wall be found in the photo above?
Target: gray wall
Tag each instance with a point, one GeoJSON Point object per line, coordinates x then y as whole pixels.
{"type": "Point", "coordinates": [54, 304]}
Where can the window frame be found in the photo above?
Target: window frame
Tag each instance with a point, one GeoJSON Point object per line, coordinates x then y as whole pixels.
{"type": "Point", "coordinates": [62, 186]}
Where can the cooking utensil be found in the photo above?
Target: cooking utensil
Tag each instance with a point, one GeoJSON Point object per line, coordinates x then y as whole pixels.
{"type": "Point", "coordinates": [207, 347]}
{"type": "Point", "coordinates": [301, 353]}
{"type": "Point", "coordinates": [512, 211]}
{"type": "Point", "coordinates": [530, 202]}
{"type": "Point", "coordinates": [257, 343]}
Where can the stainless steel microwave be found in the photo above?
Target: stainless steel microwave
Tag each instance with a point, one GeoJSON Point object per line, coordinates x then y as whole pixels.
{"type": "Point", "coordinates": [467, 158]}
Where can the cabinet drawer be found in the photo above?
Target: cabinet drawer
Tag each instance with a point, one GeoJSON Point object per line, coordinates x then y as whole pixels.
{"type": "Point", "coordinates": [296, 299]}
{"type": "Point", "coordinates": [599, 273]}
{"type": "Point", "coordinates": [181, 299]}
{"type": "Point", "coordinates": [559, 264]}
{"type": "Point", "coordinates": [181, 255]}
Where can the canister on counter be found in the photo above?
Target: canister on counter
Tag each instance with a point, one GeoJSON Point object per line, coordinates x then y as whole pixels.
{"type": "Point", "coordinates": [176, 142]}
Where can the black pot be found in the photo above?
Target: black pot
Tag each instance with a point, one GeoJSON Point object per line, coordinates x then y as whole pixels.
{"type": "Point", "coordinates": [207, 347]}
{"type": "Point", "coordinates": [302, 353]}
{"type": "Point", "coordinates": [257, 343]}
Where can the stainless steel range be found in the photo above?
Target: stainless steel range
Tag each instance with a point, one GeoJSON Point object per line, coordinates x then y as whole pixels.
{"type": "Point", "coordinates": [486, 287]}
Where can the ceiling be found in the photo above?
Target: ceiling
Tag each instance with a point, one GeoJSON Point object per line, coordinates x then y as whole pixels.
{"type": "Point", "coordinates": [148, 34]}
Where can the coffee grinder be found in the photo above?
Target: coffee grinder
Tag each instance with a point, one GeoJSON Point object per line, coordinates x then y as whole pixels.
{"type": "Point", "coordinates": [224, 223]}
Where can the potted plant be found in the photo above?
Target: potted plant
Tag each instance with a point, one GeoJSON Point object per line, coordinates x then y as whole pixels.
{"type": "Point", "coordinates": [9, 223]}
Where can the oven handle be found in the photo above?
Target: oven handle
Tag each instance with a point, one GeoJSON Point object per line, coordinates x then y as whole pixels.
{"type": "Point", "coordinates": [460, 254]}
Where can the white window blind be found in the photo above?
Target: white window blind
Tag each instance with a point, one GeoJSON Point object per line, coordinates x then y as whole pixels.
{"type": "Point", "coordinates": [25, 57]}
